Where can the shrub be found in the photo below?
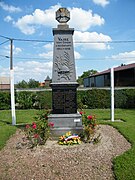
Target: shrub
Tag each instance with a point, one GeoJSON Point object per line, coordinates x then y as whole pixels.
{"type": "Point", "coordinates": [90, 127]}
{"type": "Point", "coordinates": [39, 131]}
{"type": "Point", "coordinates": [120, 99]}
{"type": "Point", "coordinates": [96, 98]}
{"type": "Point", "coordinates": [5, 102]}
{"type": "Point", "coordinates": [43, 100]}
{"type": "Point", "coordinates": [130, 98]}
{"type": "Point", "coordinates": [25, 100]}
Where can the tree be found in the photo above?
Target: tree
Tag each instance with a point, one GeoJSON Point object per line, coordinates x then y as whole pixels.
{"type": "Point", "coordinates": [86, 74]}
{"type": "Point", "coordinates": [33, 83]}
{"type": "Point", "coordinates": [30, 84]}
{"type": "Point", "coordinates": [22, 84]}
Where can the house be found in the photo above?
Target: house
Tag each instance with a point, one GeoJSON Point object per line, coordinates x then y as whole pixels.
{"type": "Point", "coordinates": [42, 84]}
{"type": "Point", "coordinates": [46, 82]}
{"type": "Point", "coordinates": [124, 76]}
{"type": "Point", "coordinates": [4, 83]}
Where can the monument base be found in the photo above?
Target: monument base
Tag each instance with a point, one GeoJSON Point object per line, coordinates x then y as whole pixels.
{"type": "Point", "coordinates": [64, 123]}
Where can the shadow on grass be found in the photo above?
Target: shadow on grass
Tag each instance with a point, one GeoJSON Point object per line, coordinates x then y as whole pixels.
{"type": "Point", "coordinates": [5, 122]}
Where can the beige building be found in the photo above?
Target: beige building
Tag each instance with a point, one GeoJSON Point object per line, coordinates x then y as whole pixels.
{"type": "Point", "coordinates": [4, 83]}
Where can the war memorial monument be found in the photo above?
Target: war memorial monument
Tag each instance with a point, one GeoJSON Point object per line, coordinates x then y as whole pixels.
{"type": "Point", "coordinates": [64, 113]}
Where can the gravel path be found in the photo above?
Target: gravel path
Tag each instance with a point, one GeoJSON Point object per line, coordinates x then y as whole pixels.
{"type": "Point", "coordinates": [55, 162]}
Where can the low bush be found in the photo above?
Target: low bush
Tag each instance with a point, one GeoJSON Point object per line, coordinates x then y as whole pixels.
{"type": "Point", "coordinates": [91, 99]}
{"type": "Point", "coordinates": [25, 100]}
{"type": "Point", "coordinates": [5, 102]}
{"type": "Point", "coordinates": [39, 131]}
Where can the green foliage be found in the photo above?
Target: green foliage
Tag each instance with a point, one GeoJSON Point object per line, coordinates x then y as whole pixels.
{"type": "Point", "coordinates": [85, 74]}
{"type": "Point", "coordinates": [22, 84]}
{"type": "Point", "coordinates": [95, 98]}
{"type": "Point", "coordinates": [32, 83]}
{"type": "Point", "coordinates": [120, 98]}
{"type": "Point", "coordinates": [25, 100]}
{"type": "Point", "coordinates": [130, 94]}
{"type": "Point", "coordinates": [5, 100]}
{"type": "Point", "coordinates": [90, 127]}
{"type": "Point", "coordinates": [100, 98]}
{"type": "Point", "coordinates": [43, 100]}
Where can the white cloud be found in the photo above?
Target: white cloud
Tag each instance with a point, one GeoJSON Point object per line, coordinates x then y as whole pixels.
{"type": "Point", "coordinates": [92, 37]}
{"type": "Point", "coordinates": [28, 23]}
{"type": "Point", "coordinates": [102, 3]}
{"type": "Point", "coordinates": [29, 70]}
{"type": "Point", "coordinates": [9, 8]}
{"type": "Point", "coordinates": [32, 69]}
{"type": "Point", "coordinates": [83, 20]}
{"type": "Point", "coordinates": [16, 50]}
{"type": "Point", "coordinates": [48, 46]}
{"type": "Point", "coordinates": [8, 19]}
{"type": "Point", "coordinates": [125, 56]}
{"type": "Point", "coordinates": [48, 55]}
{"type": "Point", "coordinates": [77, 55]}
{"type": "Point", "coordinates": [4, 72]}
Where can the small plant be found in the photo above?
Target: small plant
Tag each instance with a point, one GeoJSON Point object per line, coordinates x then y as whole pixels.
{"type": "Point", "coordinates": [69, 139]}
{"type": "Point", "coordinates": [90, 126]}
{"type": "Point", "coordinates": [39, 131]}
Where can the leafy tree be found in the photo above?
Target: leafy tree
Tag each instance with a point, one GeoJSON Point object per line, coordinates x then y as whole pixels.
{"type": "Point", "coordinates": [33, 83]}
{"type": "Point", "coordinates": [86, 74]}
{"type": "Point", "coordinates": [30, 84]}
{"type": "Point", "coordinates": [22, 84]}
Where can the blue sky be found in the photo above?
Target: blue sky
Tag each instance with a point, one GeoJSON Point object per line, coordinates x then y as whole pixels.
{"type": "Point", "coordinates": [93, 20]}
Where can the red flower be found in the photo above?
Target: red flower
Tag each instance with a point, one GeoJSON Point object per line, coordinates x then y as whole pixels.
{"type": "Point", "coordinates": [81, 112]}
{"type": "Point", "coordinates": [51, 124]}
{"type": "Point", "coordinates": [89, 117]}
{"type": "Point", "coordinates": [36, 136]}
{"type": "Point", "coordinates": [34, 125]}
{"type": "Point", "coordinates": [27, 126]}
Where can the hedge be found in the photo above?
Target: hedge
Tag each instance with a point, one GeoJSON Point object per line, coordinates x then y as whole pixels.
{"type": "Point", "coordinates": [34, 100]}
{"type": "Point", "coordinates": [91, 99]}
{"type": "Point", "coordinates": [100, 98]}
{"type": "Point", "coordinates": [5, 100]}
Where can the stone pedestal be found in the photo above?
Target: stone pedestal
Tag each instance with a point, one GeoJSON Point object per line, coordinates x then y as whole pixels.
{"type": "Point", "coordinates": [64, 123]}
{"type": "Point", "coordinates": [64, 86]}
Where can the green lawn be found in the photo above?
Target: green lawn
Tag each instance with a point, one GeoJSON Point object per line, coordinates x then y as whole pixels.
{"type": "Point", "coordinates": [6, 128]}
{"type": "Point", "coordinates": [124, 165]}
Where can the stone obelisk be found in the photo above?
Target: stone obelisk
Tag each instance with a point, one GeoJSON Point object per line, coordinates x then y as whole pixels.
{"type": "Point", "coordinates": [64, 85]}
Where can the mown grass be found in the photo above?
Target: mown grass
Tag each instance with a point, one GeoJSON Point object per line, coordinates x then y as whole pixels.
{"type": "Point", "coordinates": [123, 166]}
{"type": "Point", "coordinates": [6, 128]}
